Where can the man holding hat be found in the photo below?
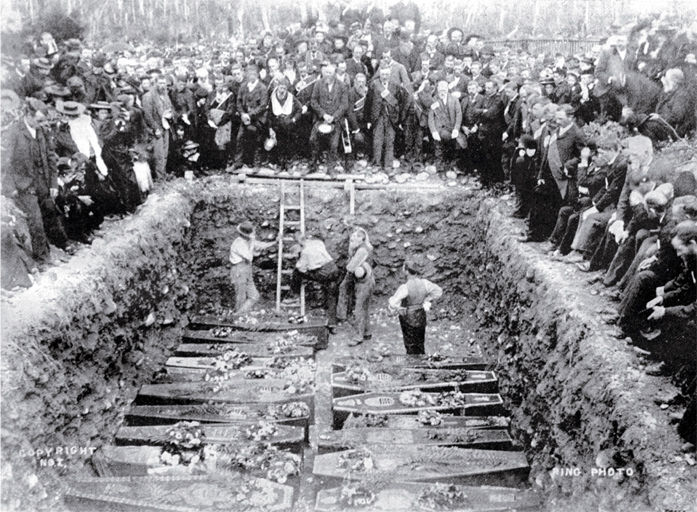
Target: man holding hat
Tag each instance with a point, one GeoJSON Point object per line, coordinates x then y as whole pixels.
{"type": "Point", "coordinates": [242, 251]}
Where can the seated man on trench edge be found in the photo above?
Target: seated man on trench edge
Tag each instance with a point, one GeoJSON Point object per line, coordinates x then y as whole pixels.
{"type": "Point", "coordinates": [315, 264]}
{"type": "Point", "coordinates": [242, 252]}
{"type": "Point", "coordinates": [411, 302]}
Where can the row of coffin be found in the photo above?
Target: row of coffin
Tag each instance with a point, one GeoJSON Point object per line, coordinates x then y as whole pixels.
{"type": "Point", "coordinates": [226, 397]}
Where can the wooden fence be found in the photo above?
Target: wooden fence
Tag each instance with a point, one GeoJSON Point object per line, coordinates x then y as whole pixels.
{"type": "Point", "coordinates": [549, 46]}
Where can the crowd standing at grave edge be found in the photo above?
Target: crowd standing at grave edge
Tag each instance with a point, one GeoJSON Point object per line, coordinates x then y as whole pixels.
{"type": "Point", "coordinates": [87, 131]}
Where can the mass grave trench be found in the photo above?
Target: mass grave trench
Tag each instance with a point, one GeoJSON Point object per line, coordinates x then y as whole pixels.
{"type": "Point", "coordinates": [78, 345]}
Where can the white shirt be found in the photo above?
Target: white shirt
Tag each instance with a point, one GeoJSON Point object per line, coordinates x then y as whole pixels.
{"type": "Point", "coordinates": [314, 255]}
{"type": "Point", "coordinates": [244, 250]}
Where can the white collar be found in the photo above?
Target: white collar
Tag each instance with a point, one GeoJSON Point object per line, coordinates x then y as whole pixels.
{"type": "Point", "coordinates": [32, 131]}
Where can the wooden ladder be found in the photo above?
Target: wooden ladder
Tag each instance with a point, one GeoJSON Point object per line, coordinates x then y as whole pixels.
{"type": "Point", "coordinates": [286, 228]}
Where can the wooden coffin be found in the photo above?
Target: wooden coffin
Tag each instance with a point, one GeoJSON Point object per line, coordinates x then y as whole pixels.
{"type": "Point", "coordinates": [405, 497]}
{"type": "Point", "coordinates": [400, 463]}
{"type": "Point", "coordinates": [205, 493]}
{"type": "Point", "coordinates": [409, 422]}
{"type": "Point", "coordinates": [284, 437]}
{"type": "Point", "coordinates": [122, 461]}
{"type": "Point", "coordinates": [475, 404]}
{"type": "Point", "coordinates": [175, 374]}
{"type": "Point", "coordinates": [485, 439]}
{"type": "Point", "coordinates": [316, 328]}
{"type": "Point", "coordinates": [240, 391]}
{"type": "Point", "coordinates": [205, 364]}
{"type": "Point", "coordinates": [424, 361]}
{"type": "Point", "coordinates": [293, 413]}
{"type": "Point", "coordinates": [254, 350]}
{"type": "Point", "coordinates": [467, 381]}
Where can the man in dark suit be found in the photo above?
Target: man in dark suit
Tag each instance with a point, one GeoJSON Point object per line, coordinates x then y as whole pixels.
{"type": "Point", "coordinates": [329, 103]}
{"type": "Point", "coordinates": [357, 113]}
{"type": "Point", "coordinates": [561, 152]}
{"type": "Point", "coordinates": [355, 64]}
{"type": "Point", "coordinates": [445, 121]}
{"type": "Point", "coordinates": [471, 104]}
{"type": "Point", "coordinates": [252, 101]}
{"type": "Point", "coordinates": [29, 177]}
{"type": "Point", "coordinates": [383, 111]}
{"type": "Point", "coordinates": [157, 111]}
{"type": "Point", "coordinates": [611, 77]}
{"type": "Point", "coordinates": [492, 125]}
{"type": "Point", "coordinates": [674, 116]}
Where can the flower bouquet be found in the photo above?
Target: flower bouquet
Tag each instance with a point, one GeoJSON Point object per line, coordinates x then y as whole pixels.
{"type": "Point", "coordinates": [358, 460]}
{"type": "Point", "coordinates": [277, 464]}
{"type": "Point", "coordinates": [442, 497]}
{"type": "Point", "coordinates": [433, 418]}
{"type": "Point", "coordinates": [289, 410]}
{"type": "Point", "coordinates": [416, 398]}
{"type": "Point", "coordinates": [262, 431]}
{"type": "Point", "coordinates": [184, 445]}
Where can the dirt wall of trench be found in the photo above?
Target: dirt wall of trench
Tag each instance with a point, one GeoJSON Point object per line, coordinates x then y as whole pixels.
{"type": "Point", "coordinates": [79, 343]}
{"type": "Point", "coordinates": [581, 399]}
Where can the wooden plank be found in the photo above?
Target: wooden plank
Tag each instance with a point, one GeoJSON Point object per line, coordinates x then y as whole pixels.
{"type": "Point", "coordinates": [254, 350]}
{"type": "Point", "coordinates": [404, 497]}
{"type": "Point", "coordinates": [378, 403]}
{"type": "Point", "coordinates": [399, 378]}
{"type": "Point", "coordinates": [400, 463]}
{"type": "Point", "coordinates": [204, 493]}
{"type": "Point", "coordinates": [411, 361]}
{"type": "Point", "coordinates": [291, 413]}
{"type": "Point", "coordinates": [283, 436]}
{"type": "Point", "coordinates": [485, 439]}
{"type": "Point", "coordinates": [235, 392]}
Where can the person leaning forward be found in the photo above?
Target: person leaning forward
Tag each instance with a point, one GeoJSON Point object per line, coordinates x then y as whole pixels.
{"type": "Point", "coordinates": [411, 301]}
{"type": "Point", "coordinates": [315, 264]}
{"type": "Point", "coordinates": [242, 251]}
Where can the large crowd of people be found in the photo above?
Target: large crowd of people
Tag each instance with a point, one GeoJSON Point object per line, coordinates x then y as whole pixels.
{"type": "Point", "coordinates": [87, 131]}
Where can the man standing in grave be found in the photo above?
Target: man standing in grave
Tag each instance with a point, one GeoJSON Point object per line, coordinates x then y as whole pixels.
{"type": "Point", "coordinates": [242, 251]}
{"type": "Point", "coordinates": [412, 301]}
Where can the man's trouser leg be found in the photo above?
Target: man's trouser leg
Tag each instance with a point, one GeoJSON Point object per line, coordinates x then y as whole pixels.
{"type": "Point", "coordinates": [378, 141]}
{"type": "Point", "coordinates": [29, 204]}
{"type": "Point", "coordinates": [246, 294]}
{"type": "Point", "coordinates": [364, 295]}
